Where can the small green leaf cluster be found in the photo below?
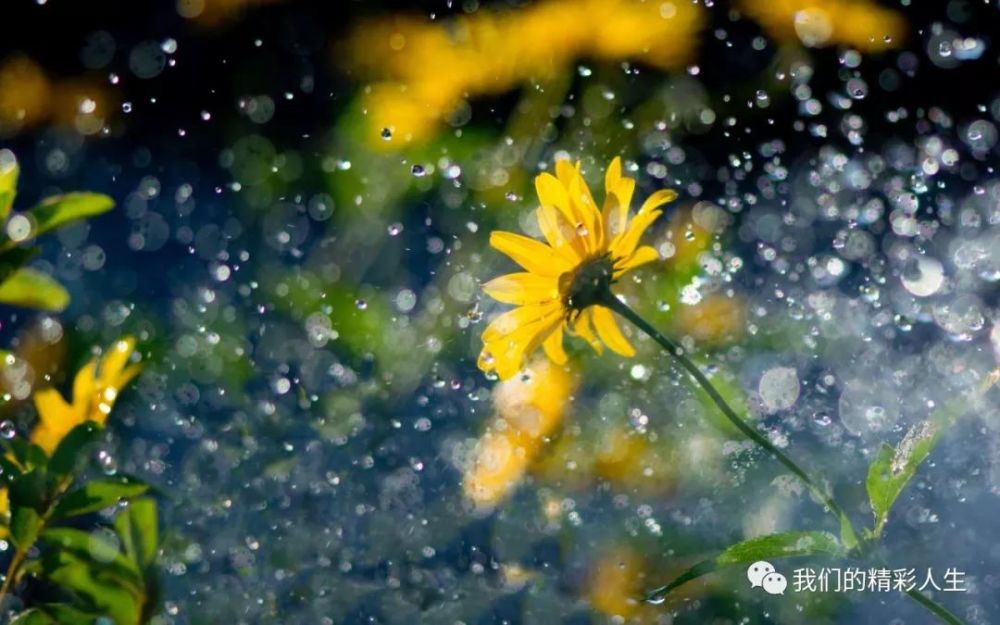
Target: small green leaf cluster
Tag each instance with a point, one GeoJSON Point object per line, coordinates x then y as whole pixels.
{"type": "Point", "coordinates": [101, 570]}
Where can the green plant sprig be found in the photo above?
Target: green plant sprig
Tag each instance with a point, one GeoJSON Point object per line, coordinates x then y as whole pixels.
{"type": "Point", "coordinates": [888, 474]}
{"type": "Point", "coordinates": [45, 491]}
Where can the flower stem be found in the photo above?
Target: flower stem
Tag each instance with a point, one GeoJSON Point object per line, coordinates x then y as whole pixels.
{"type": "Point", "coordinates": [677, 353]}
{"type": "Point", "coordinates": [934, 608]}
{"type": "Point", "coordinates": [21, 552]}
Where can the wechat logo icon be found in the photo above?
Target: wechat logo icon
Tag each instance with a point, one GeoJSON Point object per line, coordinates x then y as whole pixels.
{"type": "Point", "coordinates": [762, 575]}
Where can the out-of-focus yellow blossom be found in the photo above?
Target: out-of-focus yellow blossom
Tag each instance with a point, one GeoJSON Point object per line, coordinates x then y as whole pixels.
{"type": "Point", "coordinates": [25, 94]}
{"type": "Point", "coordinates": [4, 513]}
{"type": "Point", "coordinates": [716, 319]}
{"type": "Point", "coordinates": [861, 24]}
{"type": "Point", "coordinates": [588, 248]}
{"type": "Point", "coordinates": [95, 388]}
{"type": "Point", "coordinates": [617, 582]}
{"type": "Point", "coordinates": [438, 65]}
{"type": "Point", "coordinates": [28, 98]}
{"type": "Point", "coordinates": [529, 409]}
{"type": "Point", "coordinates": [628, 460]}
{"type": "Point", "coordinates": [215, 12]}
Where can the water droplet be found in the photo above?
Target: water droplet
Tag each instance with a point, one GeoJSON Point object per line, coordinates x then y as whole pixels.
{"type": "Point", "coordinates": [7, 429]}
{"type": "Point", "coordinates": [394, 229]}
{"type": "Point", "coordinates": [386, 134]}
{"type": "Point", "coordinates": [418, 171]}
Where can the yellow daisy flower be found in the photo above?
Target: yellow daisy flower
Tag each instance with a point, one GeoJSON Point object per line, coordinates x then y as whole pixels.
{"type": "Point", "coordinates": [588, 249]}
{"type": "Point", "coordinates": [95, 389]}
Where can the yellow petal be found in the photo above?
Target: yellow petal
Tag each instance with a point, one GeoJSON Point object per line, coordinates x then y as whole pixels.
{"type": "Point", "coordinates": [625, 245]}
{"type": "Point", "coordinates": [657, 199]}
{"type": "Point", "coordinates": [566, 172]}
{"type": "Point", "coordinates": [533, 255]}
{"type": "Point", "coordinates": [583, 328]}
{"type": "Point", "coordinates": [553, 346]}
{"type": "Point", "coordinates": [55, 419]}
{"type": "Point", "coordinates": [616, 203]}
{"type": "Point", "coordinates": [610, 333]}
{"type": "Point", "coordinates": [645, 254]}
{"type": "Point", "coordinates": [512, 320]}
{"type": "Point", "coordinates": [115, 359]}
{"type": "Point", "coordinates": [588, 226]}
{"type": "Point", "coordinates": [551, 192]}
{"type": "Point", "coordinates": [505, 353]}
{"type": "Point", "coordinates": [522, 288]}
{"type": "Point", "coordinates": [613, 174]}
{"type": "Point", "coordinates": [85, 384]}
{"type": "Point", "coordinates": [559, 234]}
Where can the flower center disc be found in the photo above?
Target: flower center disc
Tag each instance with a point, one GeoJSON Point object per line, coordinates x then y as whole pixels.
{"type": "Point", "coordinates": [588, 284]}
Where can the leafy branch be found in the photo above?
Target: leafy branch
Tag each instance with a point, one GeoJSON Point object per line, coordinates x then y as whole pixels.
{"type": "Point", "coordinates": [889, 473]}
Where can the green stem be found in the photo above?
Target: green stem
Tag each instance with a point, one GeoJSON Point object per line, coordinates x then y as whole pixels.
{"type": "Point", "coordinates": [21, 553]}
{"type": "Point", "coordinates": [933, 607]}
{"type": "Point", "coordinates": [677, 353]}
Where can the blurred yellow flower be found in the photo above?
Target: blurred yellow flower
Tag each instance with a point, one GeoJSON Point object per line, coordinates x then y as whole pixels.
{"type": "Point", "coordinates": [858, 23]}
{"type": "Point", "coordinates": [628, 460]}
{"type": "Point", "coordinates": [4, 513]}
{"type": "Point", "coordinates": [29, 98]}
{"type": "Point", "coordinates": [24, 94]}
{"type": "Point", "coordinates": [529, 409]}
{"type": "Point", "coordinates": [716, 319]}
{"type": "Point", "coordinates": [588, 250]}
{"type": "Point", "coordinates": [95, 389]}
{"type": "Point", "coordinates": [617, 582]}
{"type": "Point", "coordinates": [438, 65]}
{"type": "Point", "coordinates": [215, 12]}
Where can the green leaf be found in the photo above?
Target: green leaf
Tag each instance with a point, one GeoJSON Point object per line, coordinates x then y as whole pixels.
{"type": "Point", "coordinates": [893, 468]}
{"type": "Point", "coordinates": [62, 209]}
{"type": "Point", "coordinates": [783, 545]}
{"type": "Point", "coordinates": [8, 182]}
{"type": "Point", "coordinates": [66, 455]}
{"type": "Point", "coordinates": [99, 547]}
{"type": "Point", "coordinates": [29, 490]}
{"type": "Point", "coordinates": [97, 496]}
{"type": "Point", "coordinates": [138, 530]}
{"type": "Point", "coordinates": [14, 259]}
{"type": "Point", "coordinates": [100, 590]}
{"type": "Point", "coordinates": [26, 453]}
{"type": "Point", "coordinates": [24, 526]}
{"type": "Point", "coordinates": [34, 616]}
{"type": "Point", "coordinates": [9, 470]}
{"type": "Point", "coordinates": [30, 288]}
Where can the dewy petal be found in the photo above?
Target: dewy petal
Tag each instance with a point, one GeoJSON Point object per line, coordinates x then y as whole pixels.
{"type": "Point", "coordinates": [505, 354]}
{"type": "Point", "coordinates": [610, 333]}
{"type": "Point", "coordinates": [583, 327]}
{"type": "Point", "coordinates": [553, 346]}
{"type": "Point", "coordinates": [588, 226]}
{"type": "Point", "coordinates": [559, 234]}
{"type": "Point", "coordinates": [522, 288]}
{"type": "Point", "coordinates": [552, 192]}
{"type": "Point", "coordinates": [645, 254]}
{"type": "Point", "coordinates": [657, 199]}
{"type": "Point", "coordinates": [533, 255]}
{"type": "Point", "coordinates": [616, 203]}
{"type": "Point", "coordinates": [518, 318]}
{"type": "Point", "coordinates": [625, 245]}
